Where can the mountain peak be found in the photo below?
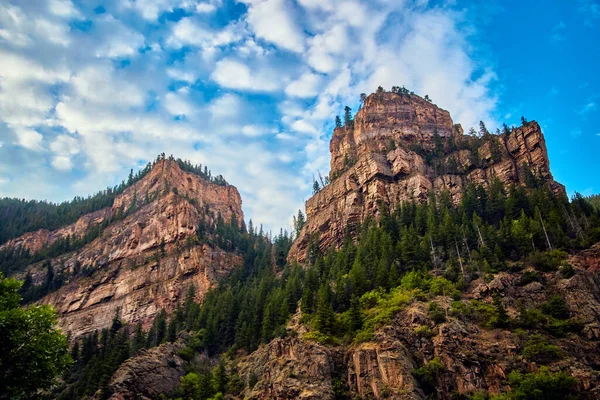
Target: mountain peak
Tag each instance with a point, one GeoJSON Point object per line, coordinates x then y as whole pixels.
{"type": "Point", "coordinates": [400, 147]}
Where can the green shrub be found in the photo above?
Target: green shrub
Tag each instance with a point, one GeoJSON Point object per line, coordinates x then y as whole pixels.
{"type": "Point", "coordinates": [556, 307]}
{"type": "Point", "coordinates": [187, 353]}
{"type": "Point", "coordinates": [529, 276]}
{"type": "Point", "coordinates": [538, 349]}
{"type": "Point", "coordinates": [415, 280]}
{"type": "Point", "coordinates": [436, 313]}
{"type": "Point", "coordinates": [547, 261]}
{"type": "Point", "coordinates": [321, 338]}
{"type": "Point", "coordinates": [567, 271]}
{"type": "Point", "coordinates": [561, 328]}
{"type": "Point", "coordinates": [462, 310]}
{"type": "Point", "coordinates": [428, 373]}
{"type": "Point", "coordinates": [364, 335]}
{"type": "Point", "coordinates": [532, 318]}
{"type": "Point", "coordinates": [543, 385]}
{"type": "Point", "coordinates": [485, 314]}
{"type": "Point", "coordinates": [424, 331]}
{"type": "Point", "coordinates": [443, 287]}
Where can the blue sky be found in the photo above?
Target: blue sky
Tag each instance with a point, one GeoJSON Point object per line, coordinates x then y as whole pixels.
{"type": "Point", "coordinates": [92, 88]}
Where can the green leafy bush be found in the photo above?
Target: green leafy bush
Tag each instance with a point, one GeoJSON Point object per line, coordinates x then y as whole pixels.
{"type": "Point", "coordinates": [548, 261]}
{"type": "Point", "coordinates": [428, 373]}
{"type": "Point", "coordinates": [556, 307]}
{"type": "Point", "coordinates": [443, 287]}
{"type": "Point", "coordinates": [436, 313]}
{"type": "Point", "coordinates": [528, 277]}
{"type": "Point", "coordinates": [538, 349]}
{"type": "Point", "coordinates": [542, 385]}
{"type": "Point", "coordinates": [567, 271]}
{"type": "Point", "coordinates": [424, 331]}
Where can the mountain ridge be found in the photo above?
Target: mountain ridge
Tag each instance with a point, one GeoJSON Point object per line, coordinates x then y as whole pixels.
{"type": "Point", "coordinates": [400, 147]}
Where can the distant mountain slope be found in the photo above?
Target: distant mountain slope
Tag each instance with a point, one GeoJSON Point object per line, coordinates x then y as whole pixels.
{"type": "Point", "coordinates": [165, 231]}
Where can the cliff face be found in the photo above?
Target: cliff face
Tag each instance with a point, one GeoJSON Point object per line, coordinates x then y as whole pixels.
{"type": "Point", "coordinates": [401, 148]}
{"type": "Point", "coordinates": [147, 375]}
{"type": "Point", "coordinates": [145, 261]}
{"type": "Point", "coordinates": [470, 358]}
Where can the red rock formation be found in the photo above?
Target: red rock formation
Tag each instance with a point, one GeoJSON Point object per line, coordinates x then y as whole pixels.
{"type": "Point", "coordinates": [471, 358]}
{"type": "Point", "coordinates": [400, 148]}
{"type": "Point", "coordinates": [125, 269]}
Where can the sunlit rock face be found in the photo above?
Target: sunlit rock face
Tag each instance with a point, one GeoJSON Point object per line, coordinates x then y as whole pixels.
{"type": "Point", "coordinates": [144, 262]}
{"type": "Point", "coordinates": [400, 148]}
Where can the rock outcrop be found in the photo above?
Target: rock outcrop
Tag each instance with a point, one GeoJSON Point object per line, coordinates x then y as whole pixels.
{"type": "Point", "coordinates": [289, 368]}
{"type": "Point", "coordinates": [148, 374]}
{"type": "Point", "coordinates": [402, 147]}
{"type": "Point", "coordinates": [469, 357]}
{"type": "Point", "coordinates": [142, 262]}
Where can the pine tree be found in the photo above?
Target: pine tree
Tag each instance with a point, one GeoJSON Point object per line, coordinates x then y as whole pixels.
{"type": "Point", "coordinates": [338, 121]}
{"type": "Point", "coordinates": [325, 317]}
{"type": "Point", "coordinates": [139, 339]}
{"type": "Point", "coordinates": [348, 117]}
{"type": "Point", "coordinates": [356, 319]}
{"type": "Point", "coordinates": [501, 313]}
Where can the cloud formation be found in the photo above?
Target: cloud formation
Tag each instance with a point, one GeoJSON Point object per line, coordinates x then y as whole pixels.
{"type": "Point", "coordinates": [249, 88]}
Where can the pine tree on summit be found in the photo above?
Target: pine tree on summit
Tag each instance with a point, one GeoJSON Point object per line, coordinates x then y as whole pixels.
{"type": "Point", "coordinates": [348, 122]}
{"type": "Point", "coordinates": [338, 121]}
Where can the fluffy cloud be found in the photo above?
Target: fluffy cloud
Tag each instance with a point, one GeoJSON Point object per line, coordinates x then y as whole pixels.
{"type": "Point", "coordinates": [233, 74]}
{"type": "Point", "coordinates": [273, 21]}
{"type": "Point", "coordinates": [30, 139]}
{"type": "Point", "coordinates": [308, 85]}
{"type": "Point", "coordinates": [84, 97]}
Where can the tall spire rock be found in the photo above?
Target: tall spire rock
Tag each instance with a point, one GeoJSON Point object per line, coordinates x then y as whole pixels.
{"type": "Point", "coordinates": [400, 147]}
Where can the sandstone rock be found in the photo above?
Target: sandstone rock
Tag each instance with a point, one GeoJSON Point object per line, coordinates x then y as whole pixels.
{"type": "Point", "coordinates": [382, 160]}
{"type": "Point", "coordinates": [289, 368]}
{"type": "Point", "coordinates": [148, 374]}
{"type": "Point", "coordinates": [473, 358]}
{"type": "Point", "coordinates": [383, 369]}
{"type": "Point", "coordinates": [124, 270]}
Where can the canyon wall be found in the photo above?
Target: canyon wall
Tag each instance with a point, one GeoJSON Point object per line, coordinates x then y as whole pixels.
{"type": "Point", "coordinates": [401, 147]}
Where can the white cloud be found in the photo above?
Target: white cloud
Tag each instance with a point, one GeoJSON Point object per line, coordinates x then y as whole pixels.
{"type": "Point", "coordinates": [62, 163]}
{"type": "Point", "coordinates": [587, 108]}
{"type": "Point", "coordinates": [119, 40]}
{"type": "Point", "coordinates": [273, 21]}
{"type": "Point", "coordinates": [226, 106]}
{"type": "Point", "coordinates": [233, 74]}
{"type": "Point", "coordinates": [101, 85]}
{"type": "Point", "coordinates": [255, 130]}
{"type": "Point", "coordinates": [181, 75]}
{"type": "Point", "coordinates": [30, 139]}
{"type": "Point", "coordinates": [151, 9]}
{"type": "Point", "coordinates": [205, 8]}
{"type": "Point", "coordinates": [63, 8]}
{"type": "Point", "coordinates": [188, 31]}
{"type": "Point", "coordinates": [308, 85]}
{"type": "Point", "coordinates": [178, 104]}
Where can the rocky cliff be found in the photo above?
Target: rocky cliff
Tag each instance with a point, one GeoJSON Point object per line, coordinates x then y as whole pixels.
{"type": "Point", "coordinates": [401, 147]}
{"type": "Point", "coordinates": [147, 255]}
{"type": "Point", "coordinates": [468, 357]}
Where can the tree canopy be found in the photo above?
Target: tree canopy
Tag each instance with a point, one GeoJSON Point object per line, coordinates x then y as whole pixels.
{"type": "Point", "coordinates": [33, 352]}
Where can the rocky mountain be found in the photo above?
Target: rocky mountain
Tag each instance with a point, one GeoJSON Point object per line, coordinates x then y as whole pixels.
{"type": "Point", "coordinates": [432, 264]}
{"type": "Point", "coordinates": [463, 357]}
{"type": "Point", "coordinates": [400, 147]}
{"type": "Point", "coordinates": [150, 250]}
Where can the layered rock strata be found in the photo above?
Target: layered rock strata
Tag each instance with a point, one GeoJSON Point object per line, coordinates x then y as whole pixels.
{"type": "Point", "coordinates": [145, 261]}
{"type": "Point", "coordinates": [401, 148]}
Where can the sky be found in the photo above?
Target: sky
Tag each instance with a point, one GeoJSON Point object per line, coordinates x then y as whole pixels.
{"type": "Point", "coordinates": [92, 88]}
